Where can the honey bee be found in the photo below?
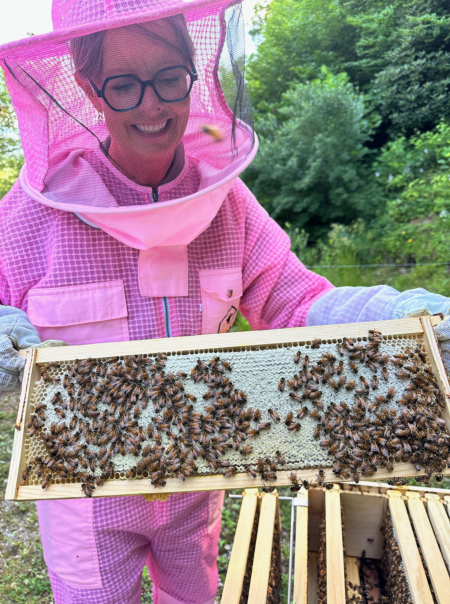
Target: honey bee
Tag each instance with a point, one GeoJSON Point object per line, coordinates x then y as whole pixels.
{"type": "Point", "coordinates": [302, 413]}
{"type": "Point", "coordinates": [316, 343]}
{"type": "Point", "coordinates": [274, 415]}
{"type": "Point", "coordinates": [281, 385]}
{"type": "Point", "coordinates": [289, 418]}
{"type": "Point", "coordinates": [350, 385]}
{"type": "Point", "coordinates": [295, 427]}
{"type": "Point", "coordinates": [353, 366]}
{"type": "Point", "coordinates": [391, 393]}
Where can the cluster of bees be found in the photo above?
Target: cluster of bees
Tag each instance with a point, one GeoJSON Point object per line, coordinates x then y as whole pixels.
{"type": "Point", "coordinates": [396, 581]}
{"type": "Point", "coordinates": [99, 420]}
{"type": "Point", "coordinates": [371, 433]}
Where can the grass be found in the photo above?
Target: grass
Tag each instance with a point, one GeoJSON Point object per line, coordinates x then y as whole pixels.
{"type": "Point", "coordinates": [23, 573]}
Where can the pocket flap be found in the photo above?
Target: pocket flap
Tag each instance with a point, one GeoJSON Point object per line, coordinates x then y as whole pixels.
{"type": "Point", "coordinates": [223, 283]}
{"type": "Point", "coordinates": [77, 304]}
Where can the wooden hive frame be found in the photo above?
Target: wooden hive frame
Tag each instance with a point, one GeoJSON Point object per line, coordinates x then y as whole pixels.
{"type": "Point", "coordinates": [421, 517]}
{"type": "Point", "coordinates": [18, 489]}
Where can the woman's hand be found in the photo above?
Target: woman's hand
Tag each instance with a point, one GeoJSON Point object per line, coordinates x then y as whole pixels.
{"type": "Point", "coordinates": [16, 333]}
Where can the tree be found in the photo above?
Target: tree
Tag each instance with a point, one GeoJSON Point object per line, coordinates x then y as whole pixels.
{"type": "Point", "coordinates": [309, 169]}
{"type": "Point", "coordinates": [396, 52]}
{"type": "Point", "coordinates": [11, 158]}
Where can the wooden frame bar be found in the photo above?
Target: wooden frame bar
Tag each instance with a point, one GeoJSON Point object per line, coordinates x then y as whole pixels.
{"type": "Point", "coordinates": [334, 548]}
{"type": "Point", "coordinates": [437, 364]}
{"type": "Point", "coordinates": [301, 549]}
{"type": "Point", "coordinates": [417, 579]}
{"type": "Point", "coordinates": [263, 549]}
{"type": "Point", "coordinates": [236, 567]}
{"type": "Point", "coordinates": [313, 577]}
{"type": "Point", "coordinates": [430, 549]}
{"type": "Point", "coordinates": [440, 523]}
{"type": "Point", "coordinates": [17, 465]}
{"type": "Point", "coordinates": [352, 565]}
{"type": "Point", "coordinates": [207, 344]}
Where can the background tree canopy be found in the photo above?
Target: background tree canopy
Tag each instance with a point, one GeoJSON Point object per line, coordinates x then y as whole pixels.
{"type": "Point", "coordinates": [333, 82]}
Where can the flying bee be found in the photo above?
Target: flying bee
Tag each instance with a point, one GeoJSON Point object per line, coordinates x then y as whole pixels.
{"type": "Point", "coordinates": [274, 415]}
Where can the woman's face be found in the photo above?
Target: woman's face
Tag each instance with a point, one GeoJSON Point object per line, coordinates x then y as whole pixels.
{"type": "Point", "coordinates": [155, 128]}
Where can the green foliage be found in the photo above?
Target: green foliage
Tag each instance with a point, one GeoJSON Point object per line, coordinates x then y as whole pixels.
{"type": "Point", "coordinates": [413, 227]}
{"type": "Point", "coordinates": [297, 38]}
{"type": "Point", "coordinates": [403, 64]}
{"type": "Point", "coordinates": [315, 150]}
{"type": "Point", "coordinates": [11, 158]}
{"type": "Point", "coordinates": [397, 52]}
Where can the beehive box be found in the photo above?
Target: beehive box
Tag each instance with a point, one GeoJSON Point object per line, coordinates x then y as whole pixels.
{"type": "Point", "coordinates": [233, 426]}
{"type": "Point", "coordinates": [353, 544]}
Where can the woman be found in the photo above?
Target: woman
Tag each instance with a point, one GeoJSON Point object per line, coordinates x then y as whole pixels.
{"type": "Point", "coordinates": [129, 222]}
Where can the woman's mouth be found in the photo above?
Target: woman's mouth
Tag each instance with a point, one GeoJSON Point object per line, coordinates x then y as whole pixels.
{"type": "Point", "coordinates": [147, 129]}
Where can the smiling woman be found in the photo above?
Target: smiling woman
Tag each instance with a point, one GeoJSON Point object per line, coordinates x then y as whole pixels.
{"type": "Point", "coordinates": [148, 68]}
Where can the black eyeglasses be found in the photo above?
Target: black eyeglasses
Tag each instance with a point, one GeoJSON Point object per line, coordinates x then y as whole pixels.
{"type": "Point", "coordinates": [126, 92]}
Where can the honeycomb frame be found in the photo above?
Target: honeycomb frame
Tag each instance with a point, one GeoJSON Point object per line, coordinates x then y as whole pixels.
{"type": "Point", "coordinates": [253, 354]}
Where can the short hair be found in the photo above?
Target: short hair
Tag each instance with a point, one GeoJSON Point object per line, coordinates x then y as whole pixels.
{"type": "Point", "coordinates": [87, 51]}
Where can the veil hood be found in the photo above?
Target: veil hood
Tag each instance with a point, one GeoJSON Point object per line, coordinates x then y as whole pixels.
{"type": "Point", "coordinates": [58, 123]}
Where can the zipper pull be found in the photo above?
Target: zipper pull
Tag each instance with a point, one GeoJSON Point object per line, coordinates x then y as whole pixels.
{"type": "Point", "coordinates": [155, 194]}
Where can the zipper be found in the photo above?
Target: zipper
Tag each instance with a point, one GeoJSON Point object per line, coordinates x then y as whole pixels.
{"type": "Point", "coordinates": [165, 301]}
{"type": "Point", "coordinates": [155, 194]}
{"type": "Point", "coordinates": [167, 325]}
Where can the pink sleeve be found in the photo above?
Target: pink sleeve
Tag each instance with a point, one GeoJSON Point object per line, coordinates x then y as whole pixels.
{"type": "Point", "coordinates": [278, 289]}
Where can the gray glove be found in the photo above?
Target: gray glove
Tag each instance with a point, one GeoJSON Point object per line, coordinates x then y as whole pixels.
{"type": "Point", "coordinates": [442, 332]}
{"type": "Point", "coordinates": [16, 333]}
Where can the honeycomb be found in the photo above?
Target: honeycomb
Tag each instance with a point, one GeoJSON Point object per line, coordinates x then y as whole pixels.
{"type": "Point", "coordinates": [257, 371]}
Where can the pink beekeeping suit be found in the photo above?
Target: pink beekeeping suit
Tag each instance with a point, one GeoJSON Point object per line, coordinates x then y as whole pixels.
{"type": "Point", "coordinates": [63, 272]}
{"type": "Point", "coordinates": [91, 256]}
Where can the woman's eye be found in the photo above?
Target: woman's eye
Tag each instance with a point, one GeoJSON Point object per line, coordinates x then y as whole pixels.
{"type": "Point", "coordinates": [170, 81]}
{"type": "Point", "coordinates": [123, 88]}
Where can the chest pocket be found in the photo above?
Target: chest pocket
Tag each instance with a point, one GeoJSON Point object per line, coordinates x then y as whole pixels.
{"type": "Point", "coordinates": [221, 294]}
{"type": "Point", "coordinates": [80, 314]}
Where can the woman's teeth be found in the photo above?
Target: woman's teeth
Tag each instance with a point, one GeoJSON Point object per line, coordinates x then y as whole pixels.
{"type": "Point", "coordinates": [151, 129]}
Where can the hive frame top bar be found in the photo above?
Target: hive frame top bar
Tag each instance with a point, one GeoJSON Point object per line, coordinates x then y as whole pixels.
{"type": "Point", "coordinates": [231, 341]}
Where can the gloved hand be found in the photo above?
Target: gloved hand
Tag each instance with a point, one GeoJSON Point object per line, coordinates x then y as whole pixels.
{"type": "Point", "coordinates": [16, 333]}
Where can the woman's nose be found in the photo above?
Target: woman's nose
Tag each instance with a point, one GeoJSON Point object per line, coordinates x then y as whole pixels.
{"type": "Point", "coordinates": [151, 99]}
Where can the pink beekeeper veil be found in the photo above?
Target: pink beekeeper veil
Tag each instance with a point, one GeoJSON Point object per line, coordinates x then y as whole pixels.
{"type": "Point", "coordinates": [68, 113]}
